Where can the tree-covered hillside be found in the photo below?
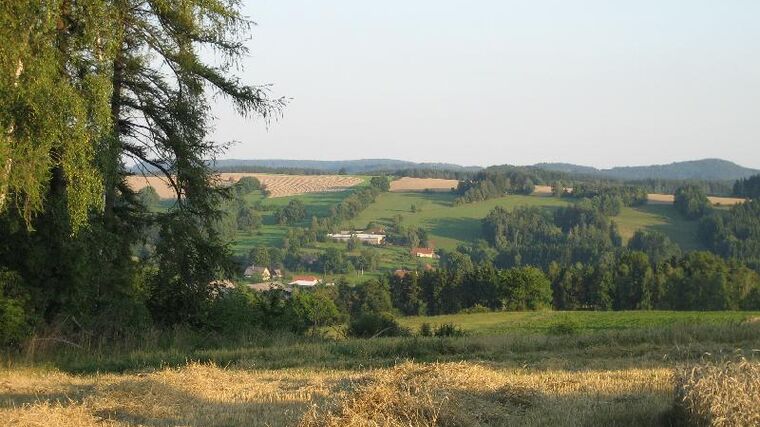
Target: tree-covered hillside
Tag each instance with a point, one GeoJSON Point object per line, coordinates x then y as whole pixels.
{"type": "Point", "coordinates": [706, 169]}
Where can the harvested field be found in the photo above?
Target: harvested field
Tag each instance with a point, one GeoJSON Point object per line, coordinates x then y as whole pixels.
{"type": "Point", "coordinates": [409, 394]}
{"type": "Point", "coordinates": [656, 198]}
{"type": "Point", "coordinates": [718, 201]}
{"type": "Point", "coordinates": [469, 394]}
{"type": "Point", "coordinates": [421, 184]}
{"type": "Point", "coordinates": [278, 185]}
{"type": "Point", "coordinates": [720, 395]}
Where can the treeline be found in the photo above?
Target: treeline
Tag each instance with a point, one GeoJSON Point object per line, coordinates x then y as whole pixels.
{"type": "Point", "coordinates": [627, 279]}
{"type": "Point", "coordinates": [632, 280]}
{"type": "Point", "coordinates": [747, 187]}
{"type": "Point", "coordinates": [488, 185]}
{"type": "Point", "coordinates": [669, 186]}
{"type": "Point", "coordinates": [532, 236]}
{"type": "Point", "coordinates": [735, 233]}
{"type": "Point", "coordinates": [275, 170]}
{"type": "Point", "coordinates": [359, 200]}
{"type": "Point", "coordinates": [458, 174]}
{"type": "Point", "coordinates": [621, 194]}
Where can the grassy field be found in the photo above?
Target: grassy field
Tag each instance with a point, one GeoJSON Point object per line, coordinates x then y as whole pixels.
{"type": "Point", "coordinates": [663, 218]}
{"type": "Point", "coordinates": [448, 225]}
{"type": "Point", "coordinates": [451, 225]}
{"type": "Point", "coordinates": [581, 322]}
{"type": "Point", "coordinates": [618, 369]}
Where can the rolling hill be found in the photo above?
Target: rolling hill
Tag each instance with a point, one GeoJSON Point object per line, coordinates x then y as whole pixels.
{"type": "Point", "coordinates": [705, 170]}
{"type": "Point", "coordinates": [349, 166]}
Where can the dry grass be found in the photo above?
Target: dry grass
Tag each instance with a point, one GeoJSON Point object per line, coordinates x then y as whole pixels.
{"type": "Point", "coordinates": [466, 394]}
{"type": "Point", "coordinates": [726, 394]}
{"type": "Point", "coordinates": [277, 185]}
{"type": "Point", "coordinates": [543, 190]}
{"type": "Point", "coordinates": [196, 395]}
{"type": "Point", "coordinates": [420, 184]}
{"type": "Point", "coordinates": [717, 201]}
{"type": "Point", "coordinates": [410, 394]}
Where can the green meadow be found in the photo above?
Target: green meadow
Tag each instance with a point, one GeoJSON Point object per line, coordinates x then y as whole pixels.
{"type": "Point", "coordinates": [497, 323]}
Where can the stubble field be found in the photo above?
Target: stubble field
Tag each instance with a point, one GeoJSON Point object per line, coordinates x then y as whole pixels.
{"type": "Point", "coordinates": [635, 369]}
{"type": "Point", "coordinates": [277, 185]}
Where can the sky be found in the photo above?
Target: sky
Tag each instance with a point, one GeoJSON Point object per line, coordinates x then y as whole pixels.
{"type": "Point", "coordinates": [593, 82]}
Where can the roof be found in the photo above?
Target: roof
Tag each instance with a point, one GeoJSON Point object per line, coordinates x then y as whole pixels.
{"type": "Point", "coordinates": [426, 251]}
{"type": "Point", "coordinates": [306, 278]}
{"type": "Point", "coordinates": [251, 270]}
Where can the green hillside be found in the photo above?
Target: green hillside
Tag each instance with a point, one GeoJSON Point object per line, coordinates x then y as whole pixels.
{"type": "Point", "coordinates": [447, 224]}
{"type": "Point", "coordinates": [451, 225]}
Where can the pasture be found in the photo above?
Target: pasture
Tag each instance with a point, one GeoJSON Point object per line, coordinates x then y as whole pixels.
{"type": "Point", "coordinates": [451, 225]}
{"type": "Point", "coordinates": [496, 323]}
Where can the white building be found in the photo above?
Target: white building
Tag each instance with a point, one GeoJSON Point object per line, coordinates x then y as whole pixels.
{"type": "Point", "coordinates": [368, 238]}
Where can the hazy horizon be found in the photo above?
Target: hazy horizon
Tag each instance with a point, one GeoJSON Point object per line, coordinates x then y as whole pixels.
{"type": "Point", "coordinates": [519, 83]}
{"type": "Point", "coordinates": [266, 159]}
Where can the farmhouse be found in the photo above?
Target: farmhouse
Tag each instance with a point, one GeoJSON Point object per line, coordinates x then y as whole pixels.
{"type": "Point", "coordinates": [262, 271]}
{"type": "Point", "coordinates": [424, 252]}
{"type": "Point", "coordinates": [304, 281]}
{"type": "Point", "coordinates": [368, 238]}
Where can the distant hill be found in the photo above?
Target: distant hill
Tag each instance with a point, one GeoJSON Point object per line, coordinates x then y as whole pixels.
{"type": "Point", "coordinates": [350, 166]}
{"type": "Point", "coordinates": [704, 170]}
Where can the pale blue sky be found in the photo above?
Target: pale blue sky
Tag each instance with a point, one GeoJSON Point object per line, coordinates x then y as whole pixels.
{"type": "Point", "coordinates": [599, 83]}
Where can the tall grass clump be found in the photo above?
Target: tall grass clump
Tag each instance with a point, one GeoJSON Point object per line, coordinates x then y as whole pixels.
{"type": "Point", "coordinates": [724, 394]}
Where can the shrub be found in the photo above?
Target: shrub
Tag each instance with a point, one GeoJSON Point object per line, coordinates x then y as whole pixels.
{"type": "Point", "coordinates": [235, 312]}
{"type": "Point", "coordinates": [14, 321]}
{"type": "Point", "coordinates": [448, 330]}
{"type": "Point", "coordinates": [426, 330]}
{"type": "Point", "coordinates": [371, 325]}
{"type": "Point", "coordinates": [477, 308]}
{"type": "Point", "coordinates": [246, 185]}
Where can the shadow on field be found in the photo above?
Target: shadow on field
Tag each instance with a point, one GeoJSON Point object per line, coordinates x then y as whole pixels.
{"type": "Point", "coordinates": [152, 401]}
{"type": "Point", "coordinates": [464, 229]}
{"type": "Point", "coordinates": [63, 395]}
